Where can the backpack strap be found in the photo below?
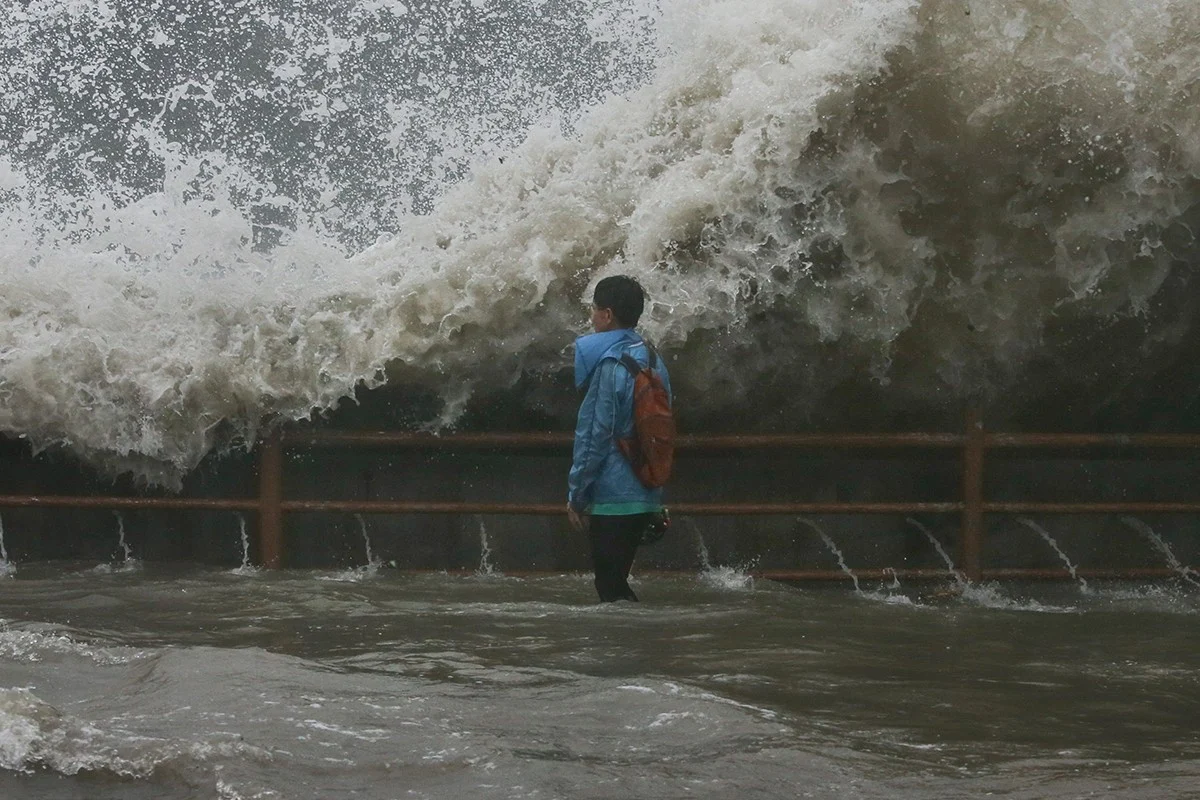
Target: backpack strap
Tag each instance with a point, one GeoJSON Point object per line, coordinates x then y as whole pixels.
{"type": "Point", "coordinates": [630, 363]}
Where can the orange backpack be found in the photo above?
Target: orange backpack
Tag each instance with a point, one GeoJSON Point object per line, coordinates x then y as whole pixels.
{"type": "Point", "coordinates": [651, 449]}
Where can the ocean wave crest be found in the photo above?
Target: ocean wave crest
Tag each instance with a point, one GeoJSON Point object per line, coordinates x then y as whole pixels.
{"type": "Point", "coordinates": [874, 207]}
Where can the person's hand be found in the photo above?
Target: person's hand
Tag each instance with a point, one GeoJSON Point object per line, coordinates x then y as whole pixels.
{"type": "Point", "coordinates": [579, 522]}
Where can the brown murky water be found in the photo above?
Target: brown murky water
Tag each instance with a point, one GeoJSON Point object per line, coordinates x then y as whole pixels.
{"type": "Point", "coordinates": [186, 683]}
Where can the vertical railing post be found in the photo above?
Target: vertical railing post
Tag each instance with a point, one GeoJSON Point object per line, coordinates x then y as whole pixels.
{"type": "Point", "coordinates": [270, 499]}
{"type": "Point", "coordinates": [971, 542]}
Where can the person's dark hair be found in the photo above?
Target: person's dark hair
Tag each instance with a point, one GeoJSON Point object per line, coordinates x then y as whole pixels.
{"type": "Point", "coordinates": [623, 296]}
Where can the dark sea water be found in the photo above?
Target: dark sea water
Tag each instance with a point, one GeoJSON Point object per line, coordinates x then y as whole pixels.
{"type": "Point", "coordinates": [162, 682]}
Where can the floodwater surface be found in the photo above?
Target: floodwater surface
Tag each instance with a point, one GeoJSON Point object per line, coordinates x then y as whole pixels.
{"type": "Point", "coordinates": [181, 682]}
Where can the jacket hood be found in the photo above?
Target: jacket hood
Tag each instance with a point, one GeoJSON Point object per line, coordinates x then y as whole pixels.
{"type": "Point", "coordinates": [593, 348]}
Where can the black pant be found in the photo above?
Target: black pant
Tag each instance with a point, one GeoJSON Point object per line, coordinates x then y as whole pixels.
{"type": "Point", "coordinates": [615, 541]}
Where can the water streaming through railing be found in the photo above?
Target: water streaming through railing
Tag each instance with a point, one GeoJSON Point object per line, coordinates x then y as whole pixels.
{"type": "Point", "coordinates": [701, 547]}
{"type": "Point", "coordinates": [126, 553]}
{"type": "Point", "coordinates": [895, 584]}
{"type": "Point", "coordinates": [373, 563]}
{"type": "Point", "coordinates": [486, 568]}
{"type": "Point", "coordinates": [1042, 532]}
{"type": "Point", "coordinates": [833, 548]}
{"type": "Point", "coordinates": [1160, 544]}
{"type": "Point", "coordinates": [959, 578]}
{"type": "Point", "coordinates": [127, 563]}
{"type": "Point", "coordinates": [246, 568]}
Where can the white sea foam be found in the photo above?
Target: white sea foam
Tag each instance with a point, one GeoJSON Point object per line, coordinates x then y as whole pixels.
{"type": "Point", "coordinates": [35, 735]}
{"type": "Point", "coordinates": [813, 191]}
{"type": "Point", "coordinates": [352, 575]}
{"type": "Point", "coordinates": [728, 578]}
{"type": "Point", "coordinates": [891, 598]}
{"type": "Point", "coordinates": [991, 595]}
{"type": "Point", "coordinates": [32, 646]}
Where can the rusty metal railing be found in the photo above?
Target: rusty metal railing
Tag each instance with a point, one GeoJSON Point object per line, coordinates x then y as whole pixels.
{"type": "Point", "coordinates": [973, 443]}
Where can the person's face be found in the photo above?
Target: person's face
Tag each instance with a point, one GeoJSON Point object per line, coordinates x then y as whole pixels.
{"type": "Point", "coordinates": [603, 319]}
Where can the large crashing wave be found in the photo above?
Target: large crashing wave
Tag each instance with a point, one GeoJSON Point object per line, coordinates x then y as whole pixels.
{"type": "Point", "coordinates": [897, 201]}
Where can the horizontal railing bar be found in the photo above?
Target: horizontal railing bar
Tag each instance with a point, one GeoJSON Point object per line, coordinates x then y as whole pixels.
{"type": "Point", "coordinates": [872, 574]}
{"type": "Point", "coordinates": [988, 574]}
{"type": "Point", "coordinates": [422, 507]}
{"type": "Point", "coordinates": [1179, 440]}
{"type": "Point", "coordinates": [1092, 508]}
{"type": "Point", "coordinates": [552, 509]}
{"type": "Point", "coordinates": [468, 441]}
{"type": "Point", "coordinates": [734, 509]}
{"type": "Point", "coordinates": [782, 574]}
{"type": "Point", "coordinates": [816, 440]}
{"type": "Point", "coordinates": [535, 439]}
{"type": "Point", "coordinates": [87, 501]}
{"type": "Point", "coordinates": [1080, 572]}
{"type": "Point", "coordinates": [447, 441]}
{"type": "Point", "coordinates": [861, 574]}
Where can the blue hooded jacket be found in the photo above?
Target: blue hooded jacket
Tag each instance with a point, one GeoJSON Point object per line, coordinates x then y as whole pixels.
{"type": "Point", "coordinates": [601, 480]}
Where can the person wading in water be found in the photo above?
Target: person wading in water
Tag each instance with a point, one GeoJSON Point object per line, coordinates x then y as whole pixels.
{"type": "Point", "coordinates": [606, 498]}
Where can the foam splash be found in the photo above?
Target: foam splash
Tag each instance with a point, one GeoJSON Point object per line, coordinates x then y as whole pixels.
{"type": "Point", "coordinates": [891, 598]}
{"type": "Point", "coordinates": [728, 578]}
{"type": "Point", "coordinates": [724, 577]}
{"type": "Point", "coordinates": [351, 575]}
{"type": "Point", "coordinates": [884, 196]}
{"type": "Point", "coordinates": [1150, 597]}
{"type": "Point", "coordinates": [35, 735]}
{"type": "Point", "coordinates": [32, 646]}
{"type": "Point", "coordinates": [192, 268]}
{"type": "Point", "coordinates": [992, 595]}
{"type": "Point", "coordinates": [892, 593]}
